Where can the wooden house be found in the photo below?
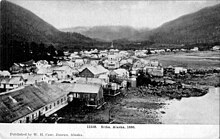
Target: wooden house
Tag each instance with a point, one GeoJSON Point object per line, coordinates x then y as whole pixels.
{"type": "Point", "coordinates": [14, 82]}
{"type": "Point", "coordinates": [63, 72]}
{"type": "Point", "coordinates": [98, 81]}
{"type": "Point", "coordinates": [27, 66]}
{"type": "Point", "coordinates": [4, 82]}
{"type": "Point", "coordinates": [113, 89]}
{"type": "Point", "coordinates": [91, 94]}
{"type": "Point", "coordinates": [5, 73]}
{"type": "Point", "coordinates": [36, 78]}
{"type": "Point", "coordinates": [93, 71]}
{"type": "Point", "coordinates": [9, 83]}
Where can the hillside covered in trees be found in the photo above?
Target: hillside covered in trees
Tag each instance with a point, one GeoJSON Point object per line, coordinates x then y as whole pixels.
{"type": "Point", "coordinates": [109, 33]}
{"type": "Point", "coordinates": [21, 31]}
{"type": "Point", "coordinates": [199, 27]}
{"type": "Point", "coordinates": [202, 26]}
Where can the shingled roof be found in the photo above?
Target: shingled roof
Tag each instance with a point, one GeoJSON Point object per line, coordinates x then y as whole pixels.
{"type": "Point", "coordinates": [83, 80]}
{"type": "Point", "coordinates": [86, 88]}
{"type": "Point", "coordinates": [98, 69]}
{"type": "Point", "coordinates": [18, 103]}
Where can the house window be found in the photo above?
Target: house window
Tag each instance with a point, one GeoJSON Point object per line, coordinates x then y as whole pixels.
{"type": "Point", "coordinates": [27, 119]}
{"type": "Point", "coordinates": [77, 95]}
{"type": "Point", "coordinates": [20, 121]}
{"type": "Point", "coordinates": [54, 104]}
{"type": "Point", "coordinates": [58, 102]}
{"type": "Point", "coordinates": [46, 108]}
{"type": "Point", "coordinates": [50, 106]}
{"type": "Point", "coordinates": [61, 100]}
{"type": "Point", "coordinates": [11, 85]}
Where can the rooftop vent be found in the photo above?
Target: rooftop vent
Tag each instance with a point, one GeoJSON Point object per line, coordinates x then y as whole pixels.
{"type": "Point", "coordinates": [12, 99]}
{"type": "Point", "coordinates": [29, 108]}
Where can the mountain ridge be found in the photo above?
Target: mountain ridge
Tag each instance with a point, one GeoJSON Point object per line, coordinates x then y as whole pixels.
{"type": "Point", "coordinates": [107, 32]}
{"type": "Point", "coordinates": [197, 27]}
{"type": "Point", "coordinates": [18, 23]}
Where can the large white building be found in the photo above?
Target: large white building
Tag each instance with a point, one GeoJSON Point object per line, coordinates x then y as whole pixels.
{"type": "Point", "coordinates": [113, 61]}
{"type": "Point", "coordinates": [29, 103]}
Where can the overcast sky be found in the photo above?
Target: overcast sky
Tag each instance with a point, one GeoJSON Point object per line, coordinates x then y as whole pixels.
{"type": "Point", "coordinates": [151, 14]}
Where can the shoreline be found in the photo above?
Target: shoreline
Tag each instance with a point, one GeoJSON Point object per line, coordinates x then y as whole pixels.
{"type": "Point", "coordinates": [145, 104]}
{"type": "Point", "coordinates": [131, 107]}
{"type": "Point", "coordinates": [140, 105]}
{"type": "Point", "coordinates": [193, 110]}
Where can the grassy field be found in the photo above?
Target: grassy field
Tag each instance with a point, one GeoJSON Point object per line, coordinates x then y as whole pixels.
{"type": "Point", "coordinates": [196, 60]}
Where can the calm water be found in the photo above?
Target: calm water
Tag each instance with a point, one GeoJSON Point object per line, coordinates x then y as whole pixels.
{"type": "Point", "coordinates": [194, 110]}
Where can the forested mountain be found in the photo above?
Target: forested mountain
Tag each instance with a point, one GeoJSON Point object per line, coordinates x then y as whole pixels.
{"type": "Point", "coordinates": [25, 36]}
{"type": "Point", "coordinates": [21, 24]}
{"type": "Point", "coordinates": [199, 27]}
{"type": "Point", "coordinates": [202, 26]}
{"type": "Point", "coordinates": [108, 33]}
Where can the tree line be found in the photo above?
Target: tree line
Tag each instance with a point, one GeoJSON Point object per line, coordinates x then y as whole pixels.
{"type": "Point", "coordinates": [19, 51]}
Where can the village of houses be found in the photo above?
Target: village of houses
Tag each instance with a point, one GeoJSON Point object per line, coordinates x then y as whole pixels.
{"type": "Point", "coordinates": [35, 89]}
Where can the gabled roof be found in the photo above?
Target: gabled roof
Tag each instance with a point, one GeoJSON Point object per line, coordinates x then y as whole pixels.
{"type": "Point", "coordinates": [23, 75]}
{"type": "Point", "coordinates": [5, 80]}
{"type": "Point", "coordinates": [4, 73]}
{"type": "Point", "coordinates": [18, 103]}
{"type": "Point", "coordinates": [170, 66]}
{"type": "Point", "coordinates": [90, 81]}
{"type": "Point", "coordinates": [121, 71]}
{"type": "Point", "coordinates": [79, 61]}
{"type": "Point", "coordinates": [61, 68]}
{"type": "Point", "coordinates": [98, 69]}
{"type": "Point", "coordinates": [27, 63]}
{"type": "Point", "coordinates": [44, 71]}
{"type": "Point", "coordinates": [103, 76]}
{"type": "Point", "coordinates": [34, 77]}
{"type": "Point", "coordinates": [86, 88]}
{"type": "Point", "coordinates": [42, 61]}
{"type": "Point", "coordinates": [112, 72]}
{"type": "Point", "coordinates": [1, 78]}
{"type": "Point", "coordinates": [15, 80]}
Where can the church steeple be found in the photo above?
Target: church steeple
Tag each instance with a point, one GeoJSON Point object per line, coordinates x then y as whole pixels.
{"type": "Point", "coordinates": [112, 46]}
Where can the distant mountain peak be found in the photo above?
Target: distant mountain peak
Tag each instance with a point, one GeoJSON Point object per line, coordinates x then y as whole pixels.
{"type": "Point", "coordinates": [107, 32]}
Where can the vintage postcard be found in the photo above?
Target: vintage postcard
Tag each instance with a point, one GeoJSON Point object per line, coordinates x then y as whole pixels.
{"type": "Point", "coordinates": [109, 69]}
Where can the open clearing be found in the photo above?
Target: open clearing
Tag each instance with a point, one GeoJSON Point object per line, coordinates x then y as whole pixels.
{"type": "Point", "coordinates": [196, 60]}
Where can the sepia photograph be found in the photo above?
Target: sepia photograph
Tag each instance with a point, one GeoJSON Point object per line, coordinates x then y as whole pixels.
{"type": "Point", "coordinates": [110, 66]}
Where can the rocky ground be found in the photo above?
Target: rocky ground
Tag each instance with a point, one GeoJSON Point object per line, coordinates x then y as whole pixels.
{"type": "Point", "coordinates": [140, 105]}
{"type": "Point", "coordinates": [126, 108]}
{"type": "Point", "coordinates": [144, 105]}
{"type": "Point", "coordinates": [170, 91]}
{"type": "Point", "coordinates": [204, 80]}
